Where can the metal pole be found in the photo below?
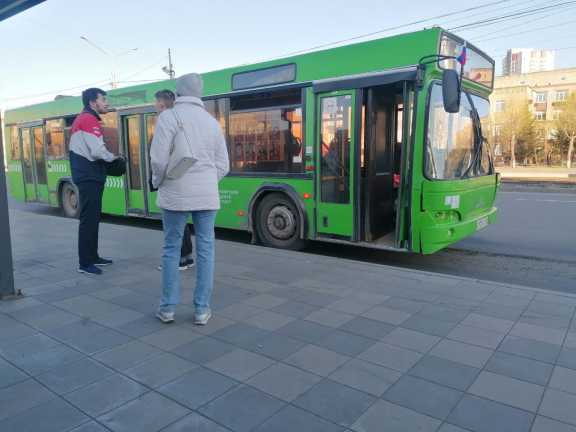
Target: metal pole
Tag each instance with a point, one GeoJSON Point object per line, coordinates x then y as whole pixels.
{"type": "Point", "coordinates": [6, 270]}
{"type": "Point", "coordinates": [170, 67]}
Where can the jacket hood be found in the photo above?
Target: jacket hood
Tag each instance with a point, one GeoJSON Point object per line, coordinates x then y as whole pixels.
{"type": "Point", "coordinates": [189, 85]}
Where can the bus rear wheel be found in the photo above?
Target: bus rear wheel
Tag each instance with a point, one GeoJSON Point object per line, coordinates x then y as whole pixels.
{"type": "Point", "coordinates": [70, 200]}
{"type": "Point", "coordinates": [278, 223]}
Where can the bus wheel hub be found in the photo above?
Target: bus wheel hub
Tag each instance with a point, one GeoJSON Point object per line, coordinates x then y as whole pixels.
{"type": "Point", "coordinates": [281, 222]}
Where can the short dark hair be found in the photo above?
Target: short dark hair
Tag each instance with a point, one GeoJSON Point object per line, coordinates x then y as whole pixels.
{"type": "Point", "coordinates": [90, 95]}
{"type": "Point", "coordinates": [166, 95]}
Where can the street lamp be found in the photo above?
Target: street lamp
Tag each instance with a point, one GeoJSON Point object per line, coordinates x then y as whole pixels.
{"type": "Point", "coordinates": [114, 57]}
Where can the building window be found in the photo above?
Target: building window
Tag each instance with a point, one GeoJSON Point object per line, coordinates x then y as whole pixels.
{"type": "Point", "coordinates": [497, 131]}
{"type": "Point", "coordinates": [561, 95]}
{"type": "Point", "coordinates": [265, 133]}
{"type": "Point", "coordinates": [55, 139]}
{"type": "Point", "coordinates": [539, 115]}
{"type": "Point", "coordinates": [540, 97]}
{"type": "Point", "coordinates": [500, 106]}
{"type": "Point", "coordinates": [556, 114]}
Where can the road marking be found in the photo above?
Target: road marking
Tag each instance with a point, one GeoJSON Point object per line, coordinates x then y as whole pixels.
{"type": "Point", "coordinates": [545, 200]}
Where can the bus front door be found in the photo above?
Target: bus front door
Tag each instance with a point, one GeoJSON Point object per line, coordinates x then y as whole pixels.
{"type": "Point", "coordinates": [336, 159]}
{"type": "Point", "coordinates": [150, 125]}
{"type": "Point", "coordinates": [133, 137]}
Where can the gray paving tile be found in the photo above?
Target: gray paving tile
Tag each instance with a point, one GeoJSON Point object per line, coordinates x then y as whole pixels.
{"type": "Point", "coordinates": [118, 317]}
{"type": "Point", "coordinates": [240, 364]}
{"type": "Point", "coordinates": [43, 359]}
{"type": "Point", "coordinates": [86, 305]}
{"type": "Point", "coordinates": [547, 321]}
{"type": "Point", "coordinates": [170, 337]}
{"type": "Point", "coordinates": [536, 350]}
{"type": "Point", "coordinates": [411, 339]}
{"type": "Point", "coordinates": [203, 350]}
{"type": "Point", "coordinates": [482, 415]}
{"type": "Point", "coordinates": [194, 423]}
{"type": "Point", "coordinates": [284, 382]}
{"type": "Point", "coordinates": [128, 355]}
{"type": "Point", "coordinates": [160, 369]}
{"type": "Point", "coordinates": [451, 428]}
{"type": "Point", "coordinates": [367, 328]}
{"type": "Point", "coordinates": [443, 313]}
{"type": "Point", "coordinates": [335, 402]}
{"type": "Point", "coordinates": [501, 311]}
{"type": "Point", "coordinates": [441, 371]}
{"type": "Point", "coordinates": [295, 309]}
{"type": "Point", "coordinates": [317, 360]}
{"type": "Point", "coordinates": [45, 317]}
{"type": "Point", "coordinates": [488, 323]}
{"type": "Point", "coordinates": [429, 326]}
{"type": "Point", "coordinates": [543, 424]}
{"type": "Point", "coordinates": [329, 317]}
{"type": "Point", "coordinates": [142, 327]}
{"type": "Point", "coordinates": [291, 419]}
{"type": "Point", "coordinates": [242, 409]}
{"type": "Point", "coordinates": [148, 413]}
{"type": "Point", "coordinates": [90, 427]}
{"type": "Point", "coordinates": [53, 416]}
{"type": "Point", "coordinates": [72, 376]}
{"type": "Point", "coordinates": [462, 353]}
{"type": "Point", "coordinates": [423, 396]}
{"type": "Point", "coordinates": [510, 391]}
{"type": "Point", "coordinates": [10, 375]}
{"type": "Point", "coordinates": [276, 346]}
{"type": "Point", "coordinates": [405, 305]}
{"type": "Point", "coordinates": [387, 315]}
{"type": "Point", "coordinates": [266, 301]}
{"type": "Point", "coordinates": [239, 311]}
{"type": "Point", "coordinates": [521, 368]}
{"type": "Point", "coordinates": [306, 331]}
{"type": "Point", "coordinates": [96, 340]}
{"type": "Point", "coordinates": [396, 419]}
{"type": "Point", "coordinates": [476, 336]}
{"type": "Point", "coordinates": [364, 376]}
{"type": "Point", "coordinates": [21, 397]}
{"type": "Point", "coordinates": [392, 357]}
{"type": "Point", "coordinates": [563, 379]}
{"type": "Point", "coordinates": [197, 387]}
{"type": "Point", "coordinates": [567, 358]}
{"type": "Point", "coordinates": [105, 395]}
{"type": "Point", "coordinates": [268, 320]}
{"type": "Point", "coordinates": [240, 334]}
{"type": "Point", "coordinates": [539, 333]}
{"type": "Point", "coordinates": [346, 343]}
{"type": "Point", "coordinates": [559, 406]}
{"type": "Point", "coordinates": [352, 305]}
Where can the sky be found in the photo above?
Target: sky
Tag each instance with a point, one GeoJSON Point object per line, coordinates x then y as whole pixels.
{"type": "Point", "coordinates": [42, 53]}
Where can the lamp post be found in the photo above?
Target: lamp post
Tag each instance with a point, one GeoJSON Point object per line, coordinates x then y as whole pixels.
{"type": "Point", "coordinates": [113, 56]}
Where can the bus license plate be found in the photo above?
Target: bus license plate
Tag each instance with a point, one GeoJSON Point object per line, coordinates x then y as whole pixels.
{"type": "Point", "coordinates": [481, 223]}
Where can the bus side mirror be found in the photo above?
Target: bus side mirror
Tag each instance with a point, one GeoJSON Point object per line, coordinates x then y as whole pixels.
{"type": "Point", "coordinates": [451, 91]}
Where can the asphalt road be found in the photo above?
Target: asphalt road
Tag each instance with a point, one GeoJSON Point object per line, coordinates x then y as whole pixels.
{"type": "Point", "coordinates": [533, 243]}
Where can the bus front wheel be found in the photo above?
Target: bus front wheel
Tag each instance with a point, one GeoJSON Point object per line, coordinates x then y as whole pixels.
{"type": "Point", "coordinates": [70, 200]}
{"type": "Point", "coordinates": [278, 223]}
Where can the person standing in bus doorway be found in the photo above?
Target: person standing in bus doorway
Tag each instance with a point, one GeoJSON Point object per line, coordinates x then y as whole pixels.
{"type": "Point", "coordinates": [192, 190]}
{"type": "Point", "coordinates": [165, 100]}
{"type": "Point", "coordinates": [87, 151]}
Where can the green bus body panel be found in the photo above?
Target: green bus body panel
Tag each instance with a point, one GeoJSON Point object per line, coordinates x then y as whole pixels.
{"type": "Point", "coordinates": [431, 224]}
{"type": "Point", "coordinates": [452, 210]}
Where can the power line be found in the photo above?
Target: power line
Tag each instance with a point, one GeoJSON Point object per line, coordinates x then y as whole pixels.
{"type": "Point", "coordinates": [501, 18]}
{"type": "Point", "coordinates": [528, 31]}
{"type": "Point", "coordinates": [388, 29]}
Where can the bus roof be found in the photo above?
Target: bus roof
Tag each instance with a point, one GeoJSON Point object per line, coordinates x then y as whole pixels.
{"type": "Point", "coordinates": [371, 56]}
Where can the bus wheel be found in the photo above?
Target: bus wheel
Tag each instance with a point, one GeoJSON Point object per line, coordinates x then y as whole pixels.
{"type": "Point", "coordinates": [278, 223]}
{"type": "Point", "coordinates": [69, 200]}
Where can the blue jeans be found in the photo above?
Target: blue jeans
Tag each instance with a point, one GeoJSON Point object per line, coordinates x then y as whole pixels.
{"type": "Point", "coordinates": [174, 222]}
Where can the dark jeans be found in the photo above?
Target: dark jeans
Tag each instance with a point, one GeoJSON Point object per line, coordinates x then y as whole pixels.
{"type": "Point", "coordinates": [90, 212]}
{"type": "Point", "coordinates": [186, 243]}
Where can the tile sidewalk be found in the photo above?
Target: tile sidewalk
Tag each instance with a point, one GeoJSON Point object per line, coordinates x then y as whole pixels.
{"type": "Point", "coordinates": [297, 342]}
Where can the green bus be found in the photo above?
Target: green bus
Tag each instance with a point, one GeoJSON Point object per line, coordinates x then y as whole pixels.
{"type": "Point", "coordinates": [374, 144]}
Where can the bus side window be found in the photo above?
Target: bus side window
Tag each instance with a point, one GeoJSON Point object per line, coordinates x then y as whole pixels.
{"type": "Point", "coordinates": [55, 142]}
{"type": "Point", "coordinates": [110, 132]}
{"type": "Point", "coordinates": [14, 144]}
{"type": "Point", "coordinates": [68, 131]}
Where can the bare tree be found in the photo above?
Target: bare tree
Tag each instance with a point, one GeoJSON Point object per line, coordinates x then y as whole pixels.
{"type": "Point", "coordinates": [566, 128]}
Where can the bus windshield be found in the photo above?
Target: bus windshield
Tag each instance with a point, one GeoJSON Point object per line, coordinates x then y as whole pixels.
{"type": "Point", "coordinates": [455, 144]}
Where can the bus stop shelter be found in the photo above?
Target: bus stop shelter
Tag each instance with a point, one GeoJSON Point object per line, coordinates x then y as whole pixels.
{"type": "Point", "coordinates": [8, 8]}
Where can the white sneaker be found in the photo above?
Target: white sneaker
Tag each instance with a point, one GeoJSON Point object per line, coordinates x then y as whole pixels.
{"type": "Point", "coordinates": [202, 319]}
{"type": "Point", "coordinates": [181, 267]}
{"type": "Point", "coordinates": [165, 317]}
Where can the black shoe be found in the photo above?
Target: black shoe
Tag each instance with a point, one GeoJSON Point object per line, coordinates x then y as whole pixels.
{"type": "Point", "coordinates": [91, 269]}
{"type": "Point", "coordinates": [190, 262]}
{"type": "Point", "coordinates": [102, 262]}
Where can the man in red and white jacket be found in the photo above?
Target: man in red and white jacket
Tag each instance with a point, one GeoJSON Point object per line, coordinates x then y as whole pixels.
{"type": "Point", "coordinates": [87, 153]}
